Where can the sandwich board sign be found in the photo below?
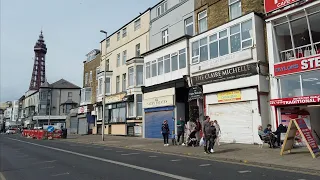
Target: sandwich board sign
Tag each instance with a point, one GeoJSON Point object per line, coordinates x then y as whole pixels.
{"type": "Point", "coordinates": [300, 126]}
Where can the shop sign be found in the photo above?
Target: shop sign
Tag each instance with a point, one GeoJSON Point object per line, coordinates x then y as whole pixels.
{"type": "Point", "coordinates": [82, 109]}
{"type": "Point", "coordinates": [272, 5]}
{"type": "Point", "coordinates": [229, 96]}
{"type": "Point", "coordinates": [195, 92]}
{"type": "Point", "coordinates": [158, 102]}
{"type": "Point", "coordinates": [226, 74]}
{"type": "Point", "coordinates": [114, 98]}
{"type": "Point", "coordinates": [299, 65]}
{"type": "Point", "coordinates": [295, 100]}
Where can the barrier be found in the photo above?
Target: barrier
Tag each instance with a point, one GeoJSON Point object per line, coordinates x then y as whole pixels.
{"type": "Point", "coordinates": [42, 134]}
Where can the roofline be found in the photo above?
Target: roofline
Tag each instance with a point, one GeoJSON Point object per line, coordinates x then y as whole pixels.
{"type": "Point", "coordinates": [166, 45]}
{"type": "Point", "coordinates": [126, 24]}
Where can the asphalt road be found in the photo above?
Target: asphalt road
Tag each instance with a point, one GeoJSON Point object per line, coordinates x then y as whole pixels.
{"type": "Point", "coordinates": [28, 159]}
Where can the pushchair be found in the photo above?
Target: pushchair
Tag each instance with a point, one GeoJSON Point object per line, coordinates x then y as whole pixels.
{"type": "Point", "coordinates": [192, 140]}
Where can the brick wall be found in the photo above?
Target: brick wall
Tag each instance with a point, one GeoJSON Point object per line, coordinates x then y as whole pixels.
{"type": "Point", "coordinates": [92, 66]}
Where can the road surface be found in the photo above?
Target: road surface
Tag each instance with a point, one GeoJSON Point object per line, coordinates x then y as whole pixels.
{"type": "Point", "coordinates": [28, 159]}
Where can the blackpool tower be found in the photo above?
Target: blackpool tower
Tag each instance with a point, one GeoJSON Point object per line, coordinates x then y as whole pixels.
{"type": "Point", "coordinates": [39, 69]}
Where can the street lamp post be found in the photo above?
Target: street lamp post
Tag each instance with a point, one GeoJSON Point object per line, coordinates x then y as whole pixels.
{"type": "Point", "coordinates": [104, 89]}
{"type": "Point", "coordinates": [50, 101]}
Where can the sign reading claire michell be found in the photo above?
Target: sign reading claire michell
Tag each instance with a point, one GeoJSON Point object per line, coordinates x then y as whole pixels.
{"type": "Point", "coordinates": [195, 92]}
{"type": "Point", "coordinates": [226, 74]}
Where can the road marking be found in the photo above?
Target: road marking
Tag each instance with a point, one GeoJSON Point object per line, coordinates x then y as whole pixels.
{"type": "Point", "coordinates": [45, 162]}
{"type": "Point", "coordinates": [174, 160]}
{"type": "Point", "coordinates": [47, 167]}
{"type": "Point", "coordinates": [62, 174]}
{"type": "Point", "coordinates": [109, 161]}
{"type": "Point", "coordinates": [203, 165]}
{"type": "Point", "coordinates": [153, 156]}
{"type": "Point", "coordinates": [2, 176]}
{"type": "Point", "coordinates": [129, 154]}
{"type": "Point", "coordinates": [119, 151]}
{"type": "Point", "coordinates": [107, 149]}
{"type": "Point", "coordinates": [246, 171]}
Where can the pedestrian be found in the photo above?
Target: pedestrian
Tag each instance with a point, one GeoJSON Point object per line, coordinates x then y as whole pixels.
{"type": "Point", "coordinates": [212, 135]}
{"type": "Point", "coordinates": [198, 130]}
{"type": "Point", "coordinates": [206, 135]}
{"type": "Point", "coordinates": [181, 129]}
{"type": "Point", "coordinates": [165, 132]}
{"type": "Point", "coordinates": [216, 124]}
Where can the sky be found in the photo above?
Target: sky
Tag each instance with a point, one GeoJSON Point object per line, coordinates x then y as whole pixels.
{"type": "Point", "coordinates": [70, 28]}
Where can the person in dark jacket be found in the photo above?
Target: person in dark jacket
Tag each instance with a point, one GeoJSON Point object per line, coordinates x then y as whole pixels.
{"type": "Point", "coordinates": [206, 134]}
{"type": "Point", "coordinates": [280, 129]}
{"type": "Point", "coordinates": [165, 132]}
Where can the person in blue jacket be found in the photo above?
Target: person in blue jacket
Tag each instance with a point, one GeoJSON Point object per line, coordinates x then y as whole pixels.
{"type": "Point", "coordinates": [165, 132]}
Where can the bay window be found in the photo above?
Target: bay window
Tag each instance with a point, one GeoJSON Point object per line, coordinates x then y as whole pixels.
{"type": "Point", "coordinates": [235, 41]}
{"type": "Point", "coordinates": [223, 43]}
{"type": "Point", "coordinates": [118, 113]}
{"type": "Point", "coordinates": [182, 58]}
{"type": "Point", "coordinates": [154, 68]}
{"type": "Point", "coordinates": [213, 46]}
{"type": "Point", "coordinates": [160, 66]}
{"type": "Point", "coordinates": [195, 52]}
{"type": "Point", "coordinates": [131, 76]}
{"type": "Point", "coordinates": [174, 61]}
{"type": "Point", "coordinates": [148, 70]}
{"type": "Point", "coordinates": [203, 49]}
{"type": "Point", "coordinates": [167, 63]}
{"type": "Point", "coordinates": [246, 33]}
{"type": "Point", "coordinates": [139, 76]}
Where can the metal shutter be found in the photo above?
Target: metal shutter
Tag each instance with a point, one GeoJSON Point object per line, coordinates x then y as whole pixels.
{"type": "Point", "coordinates": [73, 125]}
{"type": "Point", "coordinates": [154, 120]}
{"type": "Point", "coordinates": [83, 126]}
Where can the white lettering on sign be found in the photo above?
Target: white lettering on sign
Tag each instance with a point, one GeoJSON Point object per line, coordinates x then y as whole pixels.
{"type": "Point", "coordinates": [310, 63]}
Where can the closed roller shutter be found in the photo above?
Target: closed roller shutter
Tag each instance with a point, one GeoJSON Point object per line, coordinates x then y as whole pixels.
{"type": "Point", "coordinates": [83, 126]}
{"type": "Point", "coordinates": [235, 120]}
{"type": "Point", "coordinates": [73, 125]}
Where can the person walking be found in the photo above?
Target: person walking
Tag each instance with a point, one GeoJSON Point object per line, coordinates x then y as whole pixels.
{"type": "Point", "coordinates": [218, 130]}
{"type": "Point", "coordinates": [181, 129]}
{"type": "Point", "coordinates": [165, 132]}
{"type": "Point", "coordinates": [212, 136]}
{"type": "Point", "coordinates": [206, 133]}
{"type": "Point", "coordinates": [198, 129]}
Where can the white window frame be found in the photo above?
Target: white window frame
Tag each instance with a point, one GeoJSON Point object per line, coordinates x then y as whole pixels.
{"type": "Point", "coordinates": [124, 57]}
{"type": "Point", "coordinates": [137, 24]}
{"type": "Point", "coordinates": [175, 54]}
{"type": "Point", "coordinates": [118, 60]}
{"type": "Point", "coordinates": [97, 72]}
{"type": "Point", "coordinates": [118, 36]}
{"type": "Point", "coordinates": [107, 65]}
{"type": "Point", "coordinates": [165, 36]}
{"type": "Point", "coordinates": [117, 84]}
{"type": "Point", "coordinates": [108, 42]}
{"type": "Point", "coordinates": [86, 79]}
{"type": "Point", "coordinates": [189, 24]}
{"type": "Point", "coordinates": [180, 53]}
{"type": "Point", "coordinates": [108, 91]}
{"type": "Point", "coordinates": [148, 65]}
{"type": "Point", "coordinates": [164, 63]}
{"type": "Point", "coordinates": [138, 53]}
{"type": "Point", "coordinates": [130, 109]}
{"type": "Point", "coordinates": [162, 8]}
{"type": "Point", "coordinates": [130, 75]}
{"type": "Point", "coordinates": [160, 61]}
{"type": "Point", "coordinates": [152, 63]}
{"type": "Point", "coordinates": [137, 105]}
{"type": "Point", "coordinates": [124, 82]}
{"type": "Point", "coordinates": [90, 77]}
{"type": "Point", "coordinates": [100, 86]}
{"type": "Point", "coordinates": [137, 83]}
{"type": "Point", "coordinates": [124, 32]}
{"type": "Point", "coordinates": [232, 3]}
{"type": "Point", "coordinates": [204, 17]}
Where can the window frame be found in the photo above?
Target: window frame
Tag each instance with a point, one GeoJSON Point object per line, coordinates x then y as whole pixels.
{"type": "Point", "coordinates": [137, 83]}
{"type": "Point", "coordinates": [199, 19]}
{"type": "Point", "coordinates": [107, 65]}
{"type": "Point", "coordinates": [86, 78]}
{"type": "Point", "coordinates": [148, 70]}
{"type": "Point", "coordinates": [124, 32]}
{"type": "Point", "coordinates": [97, 72]}
{"type": "Point", "coordinates": [124, 57]}
{"type": "Point", "coordinates": [189, 24]}
{"type": "Point", "coordinates": [139, 102]}
{"type": "Point", "coordinates": [165, 36]}
{"type": "Point", "coordinates": [118, 36]}
{"type": "Point", "coordinates": [69, 95]}
{"type": "Point", "coordinates": [108, 42]}
{"type": "Point", "coordinates": [138, 52]}
{"type": "Point", "coordinates": [118, 60]}
{"type": "Point", "coordinates": [137, 24]}
{"type": "Point", "coordinates": [90, 77]}
{"type": "Point", "coordinates": [231, 4]}
{"type": "Point", "coordinates": [108, 91]}
{"type": "Point", "coordinates": [131, 75]}
{"type": "Point", "coordinates": [124, 82]}
{"type": "Point", "coordinates": [117, 84]}
{"type": "Point", "coordinates": [160, 61]}
{"type": "Point", "coordinates": [154, 62]}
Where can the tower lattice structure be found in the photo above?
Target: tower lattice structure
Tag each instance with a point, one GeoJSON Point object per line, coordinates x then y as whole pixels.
{"type": "Point", "coordinates": [39, 69]}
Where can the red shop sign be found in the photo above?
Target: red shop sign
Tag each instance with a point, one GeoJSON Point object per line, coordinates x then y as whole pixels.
{"type": "Point", "coordinates": [299, 65]}
{"type": "Point", "coordinates": [295, 100]}
{"type": "Point", "coordinates": [271, 5]}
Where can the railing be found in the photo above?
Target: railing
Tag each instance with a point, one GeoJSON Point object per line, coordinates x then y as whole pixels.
{"type": "Point", "coordinates": [300, 52]}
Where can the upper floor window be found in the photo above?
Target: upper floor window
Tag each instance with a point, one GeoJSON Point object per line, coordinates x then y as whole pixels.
{"type": "Point", "coordinates": [182, 59]}
{"type": "Point", "coordinates": [131, 76]}
{"type": "Point", "coordinates": [139, 75]}
{"type": "Point", "coordinates": [69, 95]}
{"type": "Point", "coordinates": [137, 24]}
{"type": "Point", "coordinates": [234, 9]}
{"type": "Point", "coordinates": [118, 60]}
{"type": "Point", "coordinates": [97, 72]}
{"type": "Point", "coordinates": [86, 78]}
{"type": "Point", "coordinates": [108, 42]}
{"type": "Point", "coordinates": [90, 77]}
{"type": "Point", "coordinates": [117, 84]}
{"type": "Point", "coordinates": [160, 66]}
{"type": "Point", "coordinates": [297, 35]}
{"type": "Point", "coordinates": [138, 50]}
{"type": "Point", "coordinates": [202, 21]}
{"type": "Point", "coordinates": [189, 26]}
{"type": "Point", "coordinates": [148, 70]}
{"type": "Point", "coordinates": [154, 68]}
{"type": "Point", "coordinates": [165, 36]}
{"type": "Point", "coordinates": [118, 36]}
{"type": "Point", "coordinates": [162, 8]}
{"type": "Point", "coordinates": [230, 40]}
{"type": "Point", "coordinates": [100, 83]}
{"type": "Point", "coordinates": [124, 57]}
{"type": "Point", "coordinates": [124, 32]}
{"type": "Point", "coordinates": [107, 65]}
{"type": "Point", "coordinates": [139, 104]}
{"type": "Point", "coordinates": [108, 85]}
{"type": "Point", "coordinates": [124, 82]}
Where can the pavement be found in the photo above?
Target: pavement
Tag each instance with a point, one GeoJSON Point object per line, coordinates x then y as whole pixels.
{"type": "Point", "coordinates": [299, 159]}
{"type": "Point", "coordinates": [24, 159]}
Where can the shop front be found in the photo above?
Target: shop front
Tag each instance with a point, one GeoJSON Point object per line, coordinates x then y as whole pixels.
{"type": "Point", "coordinates": [85, 122]}
{"type": "Point", "coordinates": [237, 98]}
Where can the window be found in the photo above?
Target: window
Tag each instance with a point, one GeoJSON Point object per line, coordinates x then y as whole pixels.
{"type": "Point", "coordinates": [165, 36]}
{"type": "Point", "coordinates": [124, 57]}
{"type": "Point", "coordinates": [124, 82]}
{"type": "Point", "coordinates": [139, 104]}
{"type": "Point", "coordinates": [162, 8]}
{"type": "Point", "coordinates": [182, 58]}
{"type": "Point", "coordinates": [195, 52]}
{"type": "Point", "coordinates": [108, 85]}
{"type": "Point", "coordinates": [138, 50]}
{"type": "Point", "coordinates": [100, 83]}
{"type": "Point", "coordinates": [137, 24]}
{"type": "Point", "coordinates": [139, 76]}
{"type": "Point", "coordinates": [246, 33]}
{"type": "Point", "coordinates": [69, 95]}
{"type": "Point", "coordinates": [213, 46]}
{"type": "Point", "coordinates": [118, 113]}
{"type": "Point", "coordinates": [90, 77]}
{"type": "Point", "coordinates": [223, 43]}
{"type": "Point", "coordinates": [86, 79]}
{"type": "Point", "coordinates": [235, 41]}
{"type": "Point", "coordinates": [108, 42]}
{"type": "Point", "coordinates": [167, 63]}
{"type": "Point", "coordinates": [290, 86]}
{"type": "Point", "coordinates": [204, 49]}
{"type": "Point", "coordinates": [160, 66]}
{"type": "Point", "coordinates": [234, 8]}
{"type": "Point", "coordinates": [117, 84]}
{"type": "Point", "coordinates": [124, 32]}
{"type": "Point", "coordinates": [148, 73]}
{"type": "Point", "coordinates": [202, 21]}
{"type": "Point", "coordinates": [97, 72]}
{"type": "Point", "coordinates": [107, 65]}
{"type": "Point", "coordinates": [189, 26]}
{"type": "Point", "coordinates": [130, 76]}
{"type": "Point", "coordinates": [130, 109]}
{"type": "Point", "coordinates": [118, 36]}
{"type": "Point", "coordinates": [154, 68]}
{"type": "Point", "coordinates": [118, 60]}
{"type": "Point", "coordinates": [174, 61]}
{"type": "Point", "coordinates": [88, 94]}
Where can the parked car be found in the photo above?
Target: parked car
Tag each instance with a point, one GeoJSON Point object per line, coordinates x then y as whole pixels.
{"type": "Point", "coordinates": [11, 131]}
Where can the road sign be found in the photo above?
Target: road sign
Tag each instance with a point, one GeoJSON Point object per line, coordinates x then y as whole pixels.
{"type": "Point", "coordinates": [50, 128]}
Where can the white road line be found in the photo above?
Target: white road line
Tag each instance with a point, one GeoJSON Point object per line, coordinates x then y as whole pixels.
{"type": "Point", "coordinates": [174, 160]}
{"type": "Point", "coordinates": [107, 149]}
{"type": "Point", "coordinates": [2, 176]}
{"type": "Point", "coordinates": [45, 162]}
{"type": "Point", "coordinates": [246, 171]}
{"type": "Point", "coordinates": [203, 165]}
{"type": "Point", "coordinates": [110, 161]}
{"type": "Point", "coordinates": [119, 151]}
{"type": "Point", "coordinates": [129, 154]}
{"type": "Point", "coordinates": [62, 174]}
{"type": "Point", "coordinates": [153, 156]}
{"type": "Point", "coordinates": [47, 167]}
